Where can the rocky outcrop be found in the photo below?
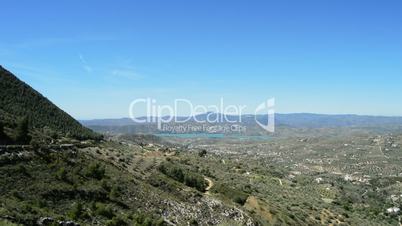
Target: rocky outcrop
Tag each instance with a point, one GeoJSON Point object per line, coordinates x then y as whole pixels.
{"type": "Point", "coordinates": [50, 221]}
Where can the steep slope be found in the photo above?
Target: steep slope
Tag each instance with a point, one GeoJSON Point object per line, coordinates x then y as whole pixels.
{"type": "Point", "coordinates": [19, 100]}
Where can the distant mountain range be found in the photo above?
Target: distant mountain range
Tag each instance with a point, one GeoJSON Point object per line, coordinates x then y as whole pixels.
{"type": "Point", "coordinates": [297, 120]}
{"type": "Point", "coordinates": [322, 120]}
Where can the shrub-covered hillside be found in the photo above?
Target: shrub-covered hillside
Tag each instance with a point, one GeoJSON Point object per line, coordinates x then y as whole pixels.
{"type": "Point", "coordinates": [18, 100]}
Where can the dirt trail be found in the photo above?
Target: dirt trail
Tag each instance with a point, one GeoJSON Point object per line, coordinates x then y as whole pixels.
{"type": "Point", "coordinates": [210, 185]}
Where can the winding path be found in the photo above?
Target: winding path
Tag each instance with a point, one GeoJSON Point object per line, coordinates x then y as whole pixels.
{"type": "Point", "coordinates": [210, 185]}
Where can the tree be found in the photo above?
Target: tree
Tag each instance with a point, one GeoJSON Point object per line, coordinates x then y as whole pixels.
{"type": "Point", "coordinates": [22, 132]}
{"type": "Point", "coordinates": [77, 211]}
{"type": "Point", "coordinates": [3, 136]}
{"type": "Point", "coordinates": [202, 153]}
{"type": "Point", "coordinates": [95, 170]}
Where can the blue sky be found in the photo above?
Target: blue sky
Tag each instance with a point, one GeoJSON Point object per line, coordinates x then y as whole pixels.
{"type": "Point", "coordinates": [92, 58]}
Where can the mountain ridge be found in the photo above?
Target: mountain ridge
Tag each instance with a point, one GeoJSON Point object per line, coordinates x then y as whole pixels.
{"type": "Point", "coordinates": [288, 119]}
{"type": "Point", "coordinates": [19, 100]}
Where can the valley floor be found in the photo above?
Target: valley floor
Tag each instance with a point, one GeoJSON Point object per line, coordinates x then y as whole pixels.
{"type": "Point", "coordinates": [293, 181]}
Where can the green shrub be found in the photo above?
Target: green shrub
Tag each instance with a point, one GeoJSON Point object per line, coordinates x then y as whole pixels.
{"type": "Point", "coordinates": [240, 199]}
{"type": "Point", "coordinates": [185, 176]}
{"type": "Point", "coordinates": [7, 223]}
{"type": "Point", "coordinates": [142, 219]}
{"type": "Point", "coordinates": [104, 210]}
{"type": "Point", "coordinates": [117, 221]}
{"type": "Point", "coordinates": [196, 181]}
{"type": "Point", "coordinates": [159, 222]}
{"type": "Point", "coordinates": [114, 192]}
{"type": "Point", "coordinates": [202, 153]}
{"type": "Point", "coordinates": [193, 222]}
{"type": "Point", "coordinates": [77, 211]}
{"type": "Point", "coordinates": [17, 195]}
{"type": "Point", "coordinates": [4, 139]}
{"type": "Point", "coordinates": [23, 170]}
{"type": "Point", "coordinates": [61, 174]}
{"type": "Point", "coordinates": [105, 185]}
{"type": "Point", "coordinates": [21, 134]}
{"type": "Point", "coordinates": [235, 195]}
{"type": "Point", "coordinates": [95, 170]}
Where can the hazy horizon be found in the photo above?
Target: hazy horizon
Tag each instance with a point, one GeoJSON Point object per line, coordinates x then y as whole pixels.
{"type": "Point", "coordinates": [277, 113]}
